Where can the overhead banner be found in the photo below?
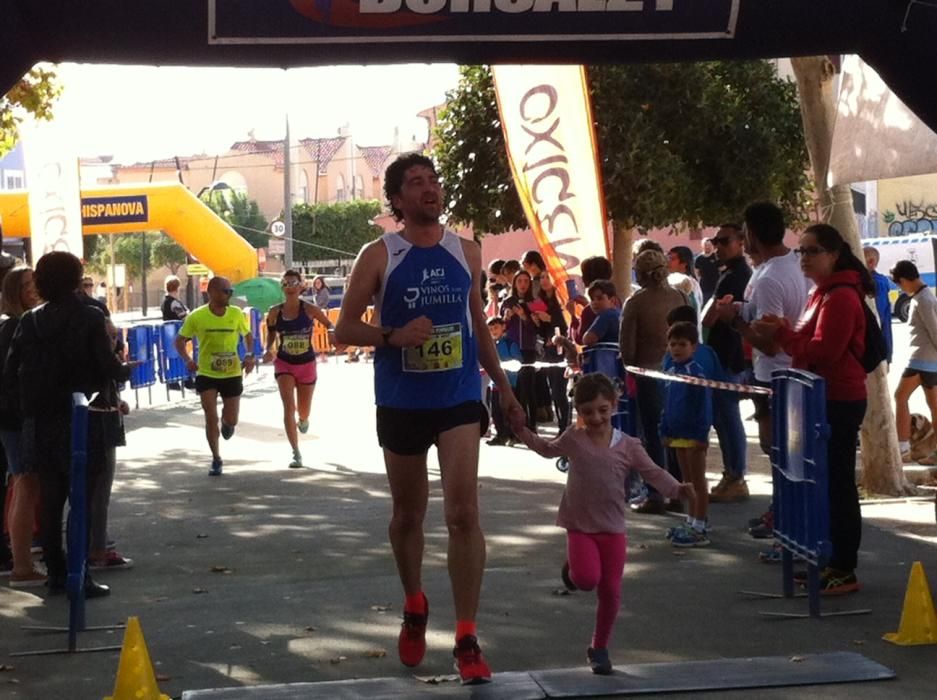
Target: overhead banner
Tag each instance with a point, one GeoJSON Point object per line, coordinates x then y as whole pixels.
{"type": "Point", "coordinates": [396, 21]}
{"type": "Point", "coordinates": [54, 190]}
{"type": "Point", "coordinates": [876, 136]}
{"type": "Point", "coordinates": [546, 118]}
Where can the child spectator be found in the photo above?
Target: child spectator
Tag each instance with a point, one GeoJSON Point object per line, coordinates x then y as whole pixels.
{"type": "Point", "coordinates": [507, 350]}
{"type": "Point", "coordinates": [602, 299]}
{"type": "Point", "coordinates": [684, 426]}
{"type": "Point", "coordinates": [595, 500]}
{"type": "Point", "coordinates": [522, 329]}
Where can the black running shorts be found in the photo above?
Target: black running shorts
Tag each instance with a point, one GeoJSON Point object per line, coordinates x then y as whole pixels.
{"type": "Point", "coordinates": [228, 387]}
{"type": "Point", "coordinates": [405, 431]}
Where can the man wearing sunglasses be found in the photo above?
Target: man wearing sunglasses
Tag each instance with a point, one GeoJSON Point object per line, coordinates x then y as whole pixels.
{"type": "Point", "coordinates": [727, 420]}
{"type": "Point", "coordinates": [217, 326]}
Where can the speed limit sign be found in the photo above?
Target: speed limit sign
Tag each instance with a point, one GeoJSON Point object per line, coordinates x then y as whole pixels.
{"type": "Point", "coordinates": [278, 229]}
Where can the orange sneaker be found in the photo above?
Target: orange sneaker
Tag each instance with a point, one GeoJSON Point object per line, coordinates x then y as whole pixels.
{"type": "Point", "coordinates": [469, 662]}
{"type": "Point", "coordinates": [411, 644]}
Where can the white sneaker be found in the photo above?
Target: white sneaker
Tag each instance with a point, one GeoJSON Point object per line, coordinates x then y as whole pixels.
{"type": "Point", "coordinates": [297, 462]}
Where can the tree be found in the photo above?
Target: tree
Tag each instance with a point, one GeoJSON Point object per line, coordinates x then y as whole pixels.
{"type": "Point", "coordinates": [240, 213]}
{"type": "Point", "coordinates": [165, 252]}
{"type": "Point", "coordinates": [680, 144]}
{"type": "Point", "coordinates": [882, 470]}
{"type": "Point", "coordinates": [326, 231]}
{"type": "Point", "coordinates": [128, 251]}
{"type": "Point", "coordinates": [34, 94]}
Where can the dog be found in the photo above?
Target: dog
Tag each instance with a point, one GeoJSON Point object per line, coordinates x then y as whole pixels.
{"type": "Point", "coordinates": [923, 438]}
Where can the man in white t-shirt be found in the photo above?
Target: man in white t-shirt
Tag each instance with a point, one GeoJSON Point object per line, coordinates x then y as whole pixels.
{"type": "Point", "coordinates": [777, 287]}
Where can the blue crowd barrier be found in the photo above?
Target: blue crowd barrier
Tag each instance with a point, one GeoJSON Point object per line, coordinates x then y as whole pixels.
{"type": "Point", "coordinates": [77, 520]}
{"type": "Point", "coordinates": [255, 318]}
{"type": "Point", "coordinates": [141, 343]}
{"type": "Point", "coordinates": [800, 476]}
{"type": "Point", "coordinates": [171, 365]}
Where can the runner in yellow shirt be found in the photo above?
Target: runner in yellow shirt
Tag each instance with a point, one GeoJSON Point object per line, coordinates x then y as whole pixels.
{"type": "Point", "coordinates": [217, 327]}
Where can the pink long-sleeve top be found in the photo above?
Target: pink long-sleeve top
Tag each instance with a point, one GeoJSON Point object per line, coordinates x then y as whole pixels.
{"type": "Point", "coordinates": [595, 499]}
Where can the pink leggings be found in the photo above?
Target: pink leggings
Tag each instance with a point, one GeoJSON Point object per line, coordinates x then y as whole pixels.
{"type": "Point", "coordinates": [597, 560]}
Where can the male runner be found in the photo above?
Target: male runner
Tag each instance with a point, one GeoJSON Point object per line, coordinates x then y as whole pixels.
{"type": "Point", "coordinates": [430, 336]}
{"type": "Point", "coordinates": [217, 326]}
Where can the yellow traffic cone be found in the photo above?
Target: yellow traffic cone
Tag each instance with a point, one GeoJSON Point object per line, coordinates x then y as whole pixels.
{"type": "Point", "coordinates": [918, 619]}
{"type": "Point", "coordinates": [135, 677]}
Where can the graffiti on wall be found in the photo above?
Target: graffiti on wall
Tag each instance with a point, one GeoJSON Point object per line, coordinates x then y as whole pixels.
{"type": "Point", "coordinates": [911, 217]}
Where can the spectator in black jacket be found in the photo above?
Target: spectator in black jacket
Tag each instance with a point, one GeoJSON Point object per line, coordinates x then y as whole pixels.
{"type": "Point", "coordinates": [59, 348]}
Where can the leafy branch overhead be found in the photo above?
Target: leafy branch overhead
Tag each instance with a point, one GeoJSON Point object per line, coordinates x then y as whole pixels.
{"type": "Point", "coordinates": [34, 94]}
{"type": "Point", "coordinates": [689, 143]}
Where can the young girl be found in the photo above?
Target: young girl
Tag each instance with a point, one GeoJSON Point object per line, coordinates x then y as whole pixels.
{"type": "Point", "coordinates": [684, 427]}
{"type": "Point", "coordinates": [594, 503]}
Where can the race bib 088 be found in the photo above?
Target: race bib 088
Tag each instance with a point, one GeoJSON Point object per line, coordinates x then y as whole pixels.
{"type": "Point", "coordinates": [443, 351]}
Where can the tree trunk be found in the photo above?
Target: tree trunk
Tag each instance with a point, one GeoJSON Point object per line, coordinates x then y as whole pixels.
{"type": "Point", "coordinates": [622, 240]}
{"type": "Point", "coordinates": [882, 470]}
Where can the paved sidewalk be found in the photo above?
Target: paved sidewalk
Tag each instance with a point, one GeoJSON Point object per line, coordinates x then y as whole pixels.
{"type": "Point", "coordinates": [272, 575]}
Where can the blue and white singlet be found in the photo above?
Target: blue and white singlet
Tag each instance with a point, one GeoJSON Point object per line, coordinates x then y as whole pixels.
{"type": "Point", "coordinates": [435, 282]}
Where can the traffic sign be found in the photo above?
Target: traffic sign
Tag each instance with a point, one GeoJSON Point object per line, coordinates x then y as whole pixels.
{"type": "Point", "coordinates": [276, 246]}
{"type": "Point", "coordinates": [278, 228]}
{"type": "Point", "coordinates": [197, 269]}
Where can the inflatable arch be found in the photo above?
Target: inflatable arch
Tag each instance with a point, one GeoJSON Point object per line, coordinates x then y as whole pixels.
{"type": "Point", "coordinates": [168, 207]}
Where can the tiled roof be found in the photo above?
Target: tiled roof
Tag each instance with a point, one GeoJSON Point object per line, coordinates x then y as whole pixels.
{"type": "Point", "coordinates": [375, 157]}
{"type": "Point", "coordinates": [323, 151]}
{"type": "Point", "coordinates": [163, 163]}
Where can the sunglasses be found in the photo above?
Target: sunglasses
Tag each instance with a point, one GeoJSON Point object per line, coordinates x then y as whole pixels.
{"type": "Point", "coordinates": [88, 285]}
{"type": "Point", "coordinates": [290, 283]}
{"type": "Point", "coordinates": [227, 291]}
{"type": "Point", "coordinates": [722, 240]}
{"type": "Point", "coordinates": [810, 251]}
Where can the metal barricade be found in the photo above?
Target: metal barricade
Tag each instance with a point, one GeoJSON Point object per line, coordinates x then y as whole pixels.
{"type": "Point", "coordinates": [77, 538]}
{"type": "Point", "coordinates": [172, 370]}
{"type": "Point", "coordinates": [141, 346]}
{"type": "Point", "coordinates": [800, 480]}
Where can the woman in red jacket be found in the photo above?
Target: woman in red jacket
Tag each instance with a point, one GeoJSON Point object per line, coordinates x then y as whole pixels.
{"type": "Point", "coordinates": [829, 340]}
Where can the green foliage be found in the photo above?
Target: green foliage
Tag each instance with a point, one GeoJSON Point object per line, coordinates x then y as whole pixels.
{"type": "Point", "coordinates": [472, 159]}
{"type": "Point", "coordinates": [128, 251]}
{"type": "Point", "coordinates": [34, 94]}
{"type": "Point", "coordinates": [680, 143]}
{"type": "Point", "coordinates": [241, 214]}
{"type": "Point", "coordinates": [326, 231]}
{"type": "Point", "coordinates": [164, 251]}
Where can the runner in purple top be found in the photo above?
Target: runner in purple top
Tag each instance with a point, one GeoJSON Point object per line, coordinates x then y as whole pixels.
{"type": "Point", "coordinates": [291, 323]}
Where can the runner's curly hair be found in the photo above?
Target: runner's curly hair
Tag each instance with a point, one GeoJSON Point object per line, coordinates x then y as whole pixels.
{"type": "Point", "coordinates": [393, 177]}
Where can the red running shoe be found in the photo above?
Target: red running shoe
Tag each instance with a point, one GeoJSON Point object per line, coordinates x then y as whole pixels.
{"type": "Point", "coordinates": [469, 662]}
{"type": "Point", "coordinates": [411, 644]}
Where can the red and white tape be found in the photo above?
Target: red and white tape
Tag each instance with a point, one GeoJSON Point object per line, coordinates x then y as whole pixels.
{"type": "Point", "coordinates": [699, 381]}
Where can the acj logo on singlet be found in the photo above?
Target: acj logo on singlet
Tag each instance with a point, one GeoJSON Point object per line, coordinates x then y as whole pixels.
{"type": "Point", "coordinates": [432, 290]}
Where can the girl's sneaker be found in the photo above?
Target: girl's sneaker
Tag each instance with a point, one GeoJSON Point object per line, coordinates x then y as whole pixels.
{"type": "Point", "coordinates": [599, 662]}
{"type": "Point", "coordinates": [303, 426]}
{"type": "Point", "coordinates": [689, 537]}
{"type": "Point", "coordinates": [297, 462]}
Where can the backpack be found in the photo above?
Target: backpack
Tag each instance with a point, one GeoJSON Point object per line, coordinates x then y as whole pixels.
{"type": "Point", "coordinates": [876, 350]}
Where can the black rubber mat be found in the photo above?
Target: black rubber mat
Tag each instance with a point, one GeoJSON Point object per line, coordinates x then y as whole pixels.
{"type": "Point", "coordinates": [682, 676]}
{"type": "Point", "coordinates": [714, 674]}
{"type": "Point", "coordinates": [506, 686]}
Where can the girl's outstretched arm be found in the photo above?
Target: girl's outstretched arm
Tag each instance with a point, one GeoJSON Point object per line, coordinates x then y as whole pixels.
{"type": "Point", "coordinates": [545, 448]}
